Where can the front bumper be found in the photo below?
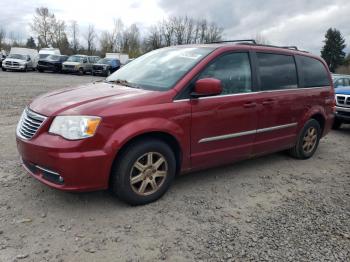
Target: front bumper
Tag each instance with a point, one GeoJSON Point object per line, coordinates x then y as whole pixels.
{"type": "Point", "coordinates": [70, 70]}
{"type": "Point", "coordinates": [10, 67]}
{"type": "Point", "coordinates": [343, 114]}
{"type": "Point", "coordinates": [48, 67]}
{"type": "Point", "coordinates": [63, 164]}
{"type": "Point", "coordinates": [100, 71]}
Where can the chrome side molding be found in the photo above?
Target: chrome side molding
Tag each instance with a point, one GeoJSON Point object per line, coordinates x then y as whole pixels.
{"type": "Point", "coordinates": [245, 133]}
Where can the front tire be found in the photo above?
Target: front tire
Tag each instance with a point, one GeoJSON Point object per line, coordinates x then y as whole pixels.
{"type": "Point", "coordinates": [4, 69]}
{"type": "Point", "coordinates": [308, 140]}
{"type": "Point", "coordinates": [144, 172]}
{"type": "Point", "coordinates": [336, 124]}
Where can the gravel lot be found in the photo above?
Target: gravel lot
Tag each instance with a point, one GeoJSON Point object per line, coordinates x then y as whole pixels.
{"type": "Point", "coordinates": [272, 208]}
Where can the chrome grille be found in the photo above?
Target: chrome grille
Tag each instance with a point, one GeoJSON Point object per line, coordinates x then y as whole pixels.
{"type": "Point", "coordinates": [29, 124]}
{"type": "Point", "coordinates": [343, 100]}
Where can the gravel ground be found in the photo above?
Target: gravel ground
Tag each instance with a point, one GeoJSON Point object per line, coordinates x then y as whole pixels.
{"type": "Point", "coordinates": [272, 208]}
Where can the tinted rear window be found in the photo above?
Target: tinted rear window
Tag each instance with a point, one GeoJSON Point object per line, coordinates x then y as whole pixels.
{"type": "Point", "coordinates": [277, 71]}
{"type": "Point", "coordinates": [313, 71]}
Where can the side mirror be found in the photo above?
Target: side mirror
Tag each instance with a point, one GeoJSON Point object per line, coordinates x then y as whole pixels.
{"type": "Point", "coordinates": [28, 59]}
{"type": "Point", "coordinates": [207, 87]}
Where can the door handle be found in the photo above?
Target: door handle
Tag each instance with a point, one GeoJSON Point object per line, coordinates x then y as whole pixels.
{"type": "Point", "coordinates": [268, 102]}
{"type": "Point", "coordinates": [249, 105]}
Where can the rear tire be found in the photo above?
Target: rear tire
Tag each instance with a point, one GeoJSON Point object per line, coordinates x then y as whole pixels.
{"type": "Point", "coordinates": [308, 140]}
{"type": "Point", "coordinates": [336, 124]}
{"type": "Point", "coordinates": [151, 164]}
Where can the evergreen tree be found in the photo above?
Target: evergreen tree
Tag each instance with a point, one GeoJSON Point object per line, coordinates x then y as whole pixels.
{"type": "Point", "coordinates": [31, 43]}
{"type": "Point", "coordinates": [332, 52]}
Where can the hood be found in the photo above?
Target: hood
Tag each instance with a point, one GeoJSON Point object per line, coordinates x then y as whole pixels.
{"type": "Point", "coordinates": [343, 90]}
{"type": "Point", "coordinates": [71, 63]}
{"type": "Point", "coordinates": [91, 99]}
{"type": "Point", "coordinates": [15, 60]}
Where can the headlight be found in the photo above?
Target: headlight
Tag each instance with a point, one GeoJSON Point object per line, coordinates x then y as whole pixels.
{"type": "Point", "coordinates": [75, 127]}
{"type": "Point", "coordinates": [104, 67]}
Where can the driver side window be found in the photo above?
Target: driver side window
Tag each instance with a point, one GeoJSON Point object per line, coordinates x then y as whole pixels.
{"type": "Point", "coordinates": [234, 72]}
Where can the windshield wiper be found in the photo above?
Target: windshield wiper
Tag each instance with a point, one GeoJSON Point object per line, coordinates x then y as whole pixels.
{"type": "Point", "coordinates": [124, 83]}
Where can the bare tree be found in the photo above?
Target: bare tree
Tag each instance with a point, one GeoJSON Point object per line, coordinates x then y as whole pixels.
{"type": "Point", "coordinates": [154, 39]}
{"type": "Point", "coordinates": [74, 32]}
{"type": "Point", "coordinates": [131, 41]}
{"type": "Point", "coordinates": [104, 42]}
{"type": "Point", "coordinates": [182, 30]}
{"type": "Point", "coordinates": [90, 39]}
{"type": "Point", "coordinates": [2, 37]}
{"type": "Point", "coordinates": [42, 24]}
{"type": "Point", "coordinates": [115, 37]}
{"type": "Point", "coordinates": [58, 32]}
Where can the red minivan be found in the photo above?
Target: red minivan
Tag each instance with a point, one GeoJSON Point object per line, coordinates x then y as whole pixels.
{"type": "Point", "coordinates": [175, 110]}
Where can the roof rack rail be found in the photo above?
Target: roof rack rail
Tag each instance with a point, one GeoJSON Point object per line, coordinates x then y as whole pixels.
{"type": "Point", "coordinates": [252, 41]}
{"type": "Point", "coordinates": [290, 47]}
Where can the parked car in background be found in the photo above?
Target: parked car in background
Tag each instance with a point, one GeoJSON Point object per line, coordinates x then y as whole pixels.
{"type": "Point", "coordinates": [95, 58]}
{"type": "Point", "coordinates": [175, 110]}
{"type": "Point", "coordinates": [80, 64]}
{"type": "Point", "coordinates": [22, 59]}
{"type": "Point", "coordinates": [51, 63]}
{"type": "Point", "coordinates": [2, 57]}
{"type": "Point", "coordinates": [341, 80]}
{"type": "Point", "coordinates": [105, 66]}
{"type": "Point", "coordinates": [342, 115]}
{"type": "Point", "coordinates": [123, 58]}
{"type": "Point", "coordinates": [44, 52]}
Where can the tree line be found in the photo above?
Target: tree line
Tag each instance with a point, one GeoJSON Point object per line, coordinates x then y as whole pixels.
{"type": "Point", "coordinates": [49, 31]}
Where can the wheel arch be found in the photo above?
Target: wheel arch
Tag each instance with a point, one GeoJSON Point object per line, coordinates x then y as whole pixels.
{"type": "Point", "coordinates": [320, 119]}
{"type": "Point", "coordinates": [318, 114]}
{"type": "Point", "coordinates": [163, 136]}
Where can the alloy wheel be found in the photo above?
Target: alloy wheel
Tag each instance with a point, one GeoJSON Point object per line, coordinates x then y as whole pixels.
{"type": "Point", "coordinates": [148, 173]}
{"type": "Point", "coordinates": [310, 140]}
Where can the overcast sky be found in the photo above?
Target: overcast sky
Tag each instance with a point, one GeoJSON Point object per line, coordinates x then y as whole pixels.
{"type": "Point", "coordinates": [295, 22]}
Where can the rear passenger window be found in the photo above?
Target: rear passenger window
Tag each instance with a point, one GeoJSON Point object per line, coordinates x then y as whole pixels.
{"type": "Point", "coordinates": [234, 72]}
{"type": "Point", "coordinates": [277, 71]}
{"type": "Point", "coordinates": [313, 71]}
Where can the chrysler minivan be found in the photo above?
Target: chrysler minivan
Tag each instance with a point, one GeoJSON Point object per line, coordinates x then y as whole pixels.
{"type": "Point", "coordinates": [176, 110]}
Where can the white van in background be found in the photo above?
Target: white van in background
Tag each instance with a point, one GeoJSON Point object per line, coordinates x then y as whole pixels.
{"type": "Point", "coordinates": [44, 52]}
{"type": "Point", "coordinates": [123, 58]}
{"type": "Point", "coordinates": [23, 59]}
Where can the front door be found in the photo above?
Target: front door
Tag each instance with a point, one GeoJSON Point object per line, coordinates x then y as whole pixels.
{"type": "Point", "coordinates": [223, 126]}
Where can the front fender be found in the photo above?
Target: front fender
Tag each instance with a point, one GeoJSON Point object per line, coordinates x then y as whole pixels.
{"type": "Point", "coordinates": [147, 125]}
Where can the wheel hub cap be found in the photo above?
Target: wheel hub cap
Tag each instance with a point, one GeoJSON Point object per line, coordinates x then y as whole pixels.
{"type": "Point", "coordinates": [148, 173]}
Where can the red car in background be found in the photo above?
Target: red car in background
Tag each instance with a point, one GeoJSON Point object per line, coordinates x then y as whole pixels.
{"type": "Point", "coordinates": [175, 110]}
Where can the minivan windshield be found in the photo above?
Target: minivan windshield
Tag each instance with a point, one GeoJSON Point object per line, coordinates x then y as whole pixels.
{"type": "Point", "coordinates": [75, 58]}
{"type": "Point", "coordinates": [160, 69]}
{"type": "Point", "coordinates": [18, 56]}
